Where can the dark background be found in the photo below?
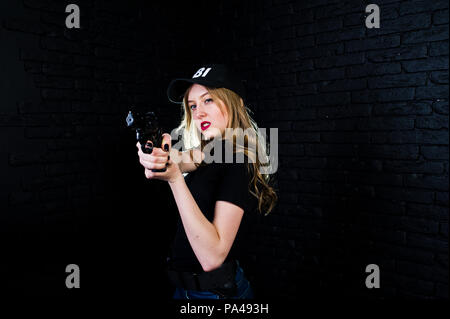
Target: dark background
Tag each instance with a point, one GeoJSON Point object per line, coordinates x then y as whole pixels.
{"type": "Point", "coordinates": [363, 142]}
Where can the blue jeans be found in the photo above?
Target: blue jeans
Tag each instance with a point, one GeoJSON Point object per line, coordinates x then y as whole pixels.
{"type": "Point", "coordinates": [244, 290]}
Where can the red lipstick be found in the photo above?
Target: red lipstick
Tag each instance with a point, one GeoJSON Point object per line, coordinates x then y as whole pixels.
{"type": "Point", "coordinates": [204, 125]}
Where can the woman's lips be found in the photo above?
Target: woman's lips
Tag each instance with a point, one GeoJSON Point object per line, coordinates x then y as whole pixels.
{"type": "Point", "coordinates": [204, 125]}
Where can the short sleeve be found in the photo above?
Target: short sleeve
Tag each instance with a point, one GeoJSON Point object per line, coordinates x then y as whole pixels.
{"type": "Point", "coordinates": [233, 186]}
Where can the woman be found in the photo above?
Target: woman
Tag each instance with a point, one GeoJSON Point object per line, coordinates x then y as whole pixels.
{"type": "Point", "coordinates": [214, 197]}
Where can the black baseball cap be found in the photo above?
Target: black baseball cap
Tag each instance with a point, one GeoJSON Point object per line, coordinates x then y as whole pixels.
{"type": "Point", "coordinates": [210, 75]}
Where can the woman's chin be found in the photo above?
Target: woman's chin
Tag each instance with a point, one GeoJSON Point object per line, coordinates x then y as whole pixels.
{"type": "Point", "coordinates": [211, 133]}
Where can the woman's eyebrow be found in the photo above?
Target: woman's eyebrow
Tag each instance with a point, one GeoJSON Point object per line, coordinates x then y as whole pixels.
{"type": "Point", "coordinates": [200, 96]}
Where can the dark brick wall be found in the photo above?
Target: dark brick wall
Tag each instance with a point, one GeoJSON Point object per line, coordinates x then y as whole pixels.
{"type": "Point", "coordinates": [72, 189]}
{"type": "Point", "coordinates": [363, 120]}
{"type": "Point", "coordinates": [363, 130]}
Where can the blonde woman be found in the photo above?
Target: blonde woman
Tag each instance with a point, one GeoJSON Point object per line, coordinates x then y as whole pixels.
{"type": "Point", "coordinates": [213, 194]}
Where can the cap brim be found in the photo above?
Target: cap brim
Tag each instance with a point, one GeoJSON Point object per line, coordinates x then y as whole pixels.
{"type": "Point", "coordinates": [177, 88]}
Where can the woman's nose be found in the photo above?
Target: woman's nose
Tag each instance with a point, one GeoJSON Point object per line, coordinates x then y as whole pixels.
{"type": "Point", "coordinates": [200, 111]}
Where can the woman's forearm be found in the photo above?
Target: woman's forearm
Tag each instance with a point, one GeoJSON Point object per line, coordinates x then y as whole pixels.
{"type": "Point", "coordinates": [201, 233]}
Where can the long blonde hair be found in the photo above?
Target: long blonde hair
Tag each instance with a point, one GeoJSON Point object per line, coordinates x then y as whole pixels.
{"type": "Point", "coordinates": [254, 147]}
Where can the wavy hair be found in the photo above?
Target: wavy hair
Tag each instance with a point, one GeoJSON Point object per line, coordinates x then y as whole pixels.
{"type": "Point", "coordinates": [250, 143]}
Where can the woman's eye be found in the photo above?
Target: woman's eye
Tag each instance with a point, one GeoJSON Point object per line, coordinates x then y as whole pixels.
{"type": "Point", "coordinates": [193, 106]}
{"type": "Point", "coordinates": [208, 100]}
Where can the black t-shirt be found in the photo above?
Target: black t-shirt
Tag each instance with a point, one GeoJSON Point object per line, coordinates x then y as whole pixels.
{"type": "Point", "coordinates": [208, 184]}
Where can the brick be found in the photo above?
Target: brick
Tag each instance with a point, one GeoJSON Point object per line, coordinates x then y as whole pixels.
{"type": "Point", "coordinates": [409, 137]}
{"type": "Point", "coordinates": [18, 159]}
{"type": "Point", "coordinates": [20, 198]}
{"type": "Point", "coordinates": [344, 111]}
{"type": "Point", "coordinates": [108, 53]}
{"type": "Point", "coordinates": [341, 35]}
{"type": "Point", "coordinates": [405, 253]}
{"type": "Point", "coordinates": [408, 195]}
{"type": "Point", "coordinates": [435, 33]}
{"type": "Point", "coordinates": [439, 77]}
{"type": "Point", "coordinates": [43, 81]}
{"type": "Point", "coordinates": [54, 106]}
{"type": "Point", "coordinates": [440, 17]}
{"type": "Point", "coordinates": [297, 90]}
{"type": "Point", "coordinates": [413, 167]}
{"type": "Point", "coordinates": [405, 52]}
{"type": "Point", "coordinates": [44, 132]}
{"type": "Point", "coordinates": [369, 69]}
{"type": "Point", "coordinates": [321, 75]}
{"type": "Point", "coordinates": [386, 123]}
{"type": "Point", "coordinates": [342, 85]}
{"type": "Point", "coordinates": [329, 150]}
{"type": "Point", "coordinates": [442, 199]}
{"type": "Point", "coordinates": [376, 179]}
{"type": "Point", "coordinates": [415, 288]}
{"type": "Point", "coordinates": [52, 194]}
{"type": "Point", "coordinates": [337, 9]}
{"type": "Point", "coordinates": [281, 22]}
{"type": "Point", "coordinates": [22, 25]}
{"type": "Point", "coordinates": [325, 26]}
{"type": "Point", "coordinates": [45, 5]}
{"type": "Point", "coordinates": [376, 43]}
{"type": "Point", "coordinates": [62, 45]}
{"type": "Point", "coordinates": [338, 98]}
{"type": "Point", "coordinates": [440, 107]}
{"type": "Point", "coordinates": [428, 212]}
{"type": "Point", "coordinates": [439, 48]}
{"type": "Point", "coordinates": [303, 42]}
{"type": "Point", "coordinates": [429, 273]}
{"type": "Point", "coordinates": [402, 24]}
{"type": "Point", "coordinates": [301, 137]}
{"type": "Point", "coordinates": [280, 10]}
{"type": "Point", "coordinates": [431, 137]}
{"type": "Point", "coordinates": [33, 67]}
{"type": "Point", "coordinates": [417, 108]}
{"type": "Point", "coordinates": [285, 56]}
{"type": "Point", "coordinates": [322, 50]}
{"type": "Point", "coordinates": [341, 60]}
{"type": "Point", "coordinates": [395, 94]}
{"type": "Point", "coordinates": [344, 137]}
{"type": "Point", "coordinates": [432, 92]}
{"type": "Point", "coordinates": [298, 114]}
{"type": "Point", "coordinates": [415, 6]}
{"type": "Point", "coordinates": [291, 149]}
{"type": "Point", "coordinates": [283, 45]}
{"type": "Point", "coordinates": [434, 152]}
{"type": "Point", "coordinates": [429, 64]}
{"type": "Point", "coordinates": [383, 95]}
{"type": "Point", "coordinates": [422, 226]}
{"type": "Point", "coordinates": [53, 94]}
{"type": "Point", "coordinates": [443, 230]}
{"type": "Point", "coordinates": [377, 205]}
{"type": "Point", "coordinates": [400, 80]}
{"type": "Point", "coordinates": [389, 151]}
{"type": "Point", "coordinates": [435, 122]}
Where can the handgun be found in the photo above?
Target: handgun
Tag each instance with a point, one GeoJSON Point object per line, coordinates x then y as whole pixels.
{"type": "Point", "coordinates": [148, 131]}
